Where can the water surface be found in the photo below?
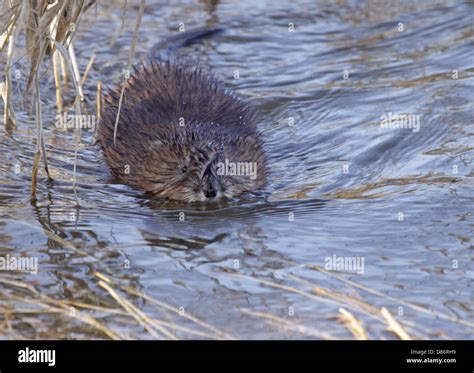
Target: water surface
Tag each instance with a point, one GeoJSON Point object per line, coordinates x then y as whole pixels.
{"type": "Point", "coordinates": [340, 184]}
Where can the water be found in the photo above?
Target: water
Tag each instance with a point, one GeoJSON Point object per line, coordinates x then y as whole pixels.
{"type": "Point", "coordinates": [340, 185]}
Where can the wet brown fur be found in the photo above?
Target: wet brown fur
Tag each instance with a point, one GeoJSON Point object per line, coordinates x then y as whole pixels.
{"type": "Point", "coordinates": [155, 152]}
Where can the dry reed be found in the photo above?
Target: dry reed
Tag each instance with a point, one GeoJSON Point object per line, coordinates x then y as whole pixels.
{"type": "Point", "coordinates": [49, 28]}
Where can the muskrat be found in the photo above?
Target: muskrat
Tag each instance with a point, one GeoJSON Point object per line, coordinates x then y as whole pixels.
{"type": "Point", "coordinates": [181, 134]}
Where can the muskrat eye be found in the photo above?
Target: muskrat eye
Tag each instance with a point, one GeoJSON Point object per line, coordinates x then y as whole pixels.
{"type": "Point", "coordinates": [184, 169]}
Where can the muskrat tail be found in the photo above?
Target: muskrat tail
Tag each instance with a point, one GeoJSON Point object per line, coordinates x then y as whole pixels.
{"type": "Point", "coordinates": [164, 49]}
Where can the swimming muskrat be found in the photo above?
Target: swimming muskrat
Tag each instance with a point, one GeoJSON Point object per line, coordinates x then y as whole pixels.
{"type": "Point", "coordinates": [181, 134]}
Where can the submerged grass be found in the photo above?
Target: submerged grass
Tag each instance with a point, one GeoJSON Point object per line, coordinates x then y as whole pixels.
{"type": "Point", "coordinates": [161, 320]}
{"type": "Point", "coordinates": [19, 300]}
{"type": "Point", "coordinates": [107, 314]}
{"type": "Point", "coordinates": [350, 306]}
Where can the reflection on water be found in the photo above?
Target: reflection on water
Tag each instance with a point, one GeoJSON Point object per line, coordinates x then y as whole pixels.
{"type": "Point", "coordinates": [341, 184]}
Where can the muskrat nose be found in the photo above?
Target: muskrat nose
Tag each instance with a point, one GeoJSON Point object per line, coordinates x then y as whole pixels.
{"type": "Point", "coordinates": [210, 192]}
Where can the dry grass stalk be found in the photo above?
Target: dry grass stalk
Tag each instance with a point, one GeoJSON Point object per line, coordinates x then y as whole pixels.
{"type": "Point", "coordinates": [350, 301]}
{"type": "Point", "coordinates": [129, 63]}
{"type": "Point", "coordinates": [7, 313]}
{"type": "Point", "coordinates": [9, 115]}
{"type": "Point", "coordinates": [57, 80]}
{"type": "Point", "coordinates": [99, 100]}
{"type": "Point", "coordinates": [138, 315]}
{"type": "Point", "coordinates": [9, 36]}
{"type": "Point", "coordinates": [75, 71]}
{"type": "Point", "coordinates": [34, 175]}
{"type": "Point", "coordinates": [354, 325]}
{"type": "Point", "coordinates": [64, 74]}
{"type": "Point", "coordinates": [77, 104]}
{"type": "Point", "coordinates": [394, 325]}
{"type": "Point", "coordinates": [88, 67]}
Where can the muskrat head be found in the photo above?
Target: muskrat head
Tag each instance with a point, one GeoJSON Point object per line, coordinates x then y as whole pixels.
{"type": "Point", "coordinates": [204, 166]}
